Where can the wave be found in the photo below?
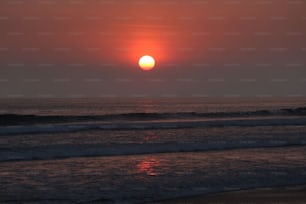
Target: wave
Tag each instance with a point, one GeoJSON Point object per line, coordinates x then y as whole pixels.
{"type": "Point", "coordinates": [147, 125]}
{"type": "Point", "coordinates": [95, 150]}
{"type": "Point", "coordinates": [17, 119]}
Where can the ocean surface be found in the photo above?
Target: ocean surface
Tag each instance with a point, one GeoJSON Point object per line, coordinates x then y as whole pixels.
{"type": "Point", "coordinates": [144, 150]}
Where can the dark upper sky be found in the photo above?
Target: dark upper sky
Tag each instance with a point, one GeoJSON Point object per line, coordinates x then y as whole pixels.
{"type": "Point", "coordinates": [66, 48]}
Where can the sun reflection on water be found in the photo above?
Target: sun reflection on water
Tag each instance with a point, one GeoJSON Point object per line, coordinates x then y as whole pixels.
{"type": "Point", "coordinates": [149, 166]}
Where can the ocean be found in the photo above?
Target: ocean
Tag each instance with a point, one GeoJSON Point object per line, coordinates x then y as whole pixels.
{"type": "Point", "coordinates": [141, 150]}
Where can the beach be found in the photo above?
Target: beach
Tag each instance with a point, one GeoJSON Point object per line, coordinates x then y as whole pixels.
{"type": "Point", "coordinates": [284, 195]}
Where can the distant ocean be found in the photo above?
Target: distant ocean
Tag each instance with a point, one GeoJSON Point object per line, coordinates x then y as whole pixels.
{"type": "Point", "coordinates": [143, 150]}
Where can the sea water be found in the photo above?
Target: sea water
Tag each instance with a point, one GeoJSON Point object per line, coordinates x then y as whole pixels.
{"type": "Point", "coordinates": [142, 150]}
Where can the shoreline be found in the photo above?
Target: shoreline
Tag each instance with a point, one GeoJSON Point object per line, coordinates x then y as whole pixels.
{"type": "Point", "coordinates": [281, 194]}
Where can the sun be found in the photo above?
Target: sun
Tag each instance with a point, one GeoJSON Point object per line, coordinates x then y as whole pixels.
{"type": "Point", "coordinates": [146, 62]}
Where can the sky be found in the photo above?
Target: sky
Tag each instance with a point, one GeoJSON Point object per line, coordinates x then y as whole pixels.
{"type": "Point", "coordinates": [202, 48]}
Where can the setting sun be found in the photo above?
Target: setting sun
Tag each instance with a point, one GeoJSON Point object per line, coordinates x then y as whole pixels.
{"type": "Point", "coordinates": [146, 62]}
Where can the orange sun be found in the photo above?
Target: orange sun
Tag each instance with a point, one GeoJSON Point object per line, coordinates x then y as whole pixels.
{"type": "Point", "coordinates": [146, 62]}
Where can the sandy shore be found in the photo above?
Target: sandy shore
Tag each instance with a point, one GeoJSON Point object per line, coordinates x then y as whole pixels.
{"type": "Point", "coordinates": [279, 195]}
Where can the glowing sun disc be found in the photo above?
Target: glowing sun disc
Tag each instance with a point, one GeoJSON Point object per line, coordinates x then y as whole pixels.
{"type": "Point", "coordinates": [146, 62]}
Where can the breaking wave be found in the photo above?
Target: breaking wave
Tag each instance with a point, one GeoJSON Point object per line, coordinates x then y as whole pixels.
{"type": "Point", "coordinates": [147, 125]}
{"type": "Point", "coordinates": [16, 119]}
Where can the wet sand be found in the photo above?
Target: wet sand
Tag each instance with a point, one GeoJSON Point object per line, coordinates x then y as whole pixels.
{"type": "Point", "coordinates": [284, 195]}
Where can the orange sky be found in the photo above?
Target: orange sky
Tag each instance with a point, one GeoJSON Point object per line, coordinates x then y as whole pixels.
{"type": "Point", "coordinates": [177, 33]}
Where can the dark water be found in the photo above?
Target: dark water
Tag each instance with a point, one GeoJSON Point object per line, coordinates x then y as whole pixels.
{"type": "Point", "coordinates": [141, 150]}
